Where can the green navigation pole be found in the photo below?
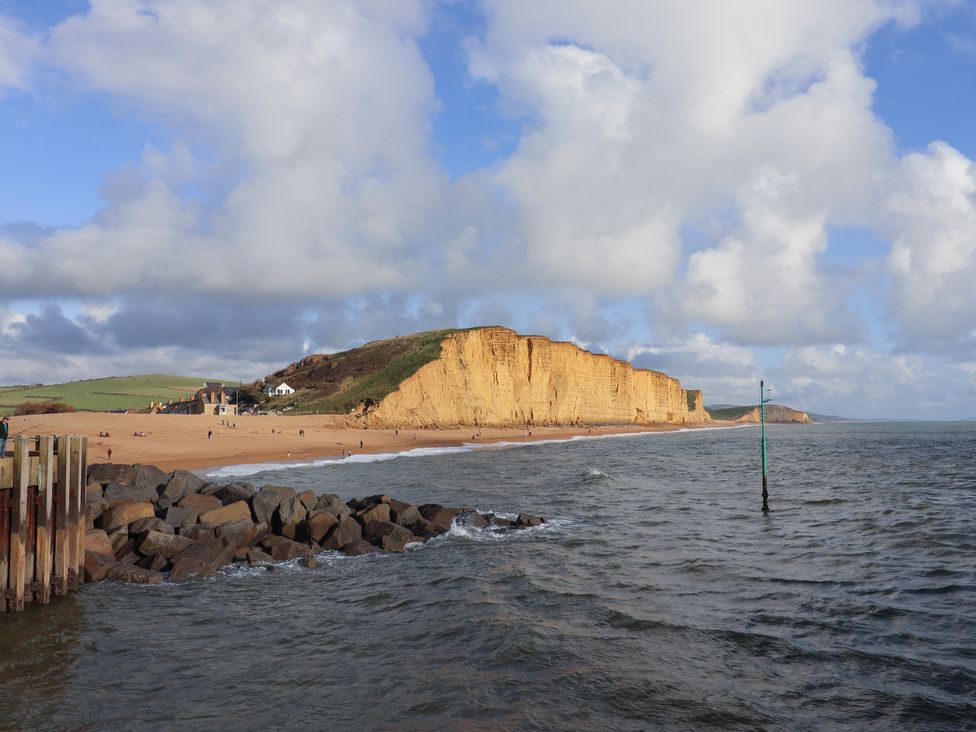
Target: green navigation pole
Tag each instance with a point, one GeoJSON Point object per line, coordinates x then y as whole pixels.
{"type": "Point", "coordinates": [762, 426]}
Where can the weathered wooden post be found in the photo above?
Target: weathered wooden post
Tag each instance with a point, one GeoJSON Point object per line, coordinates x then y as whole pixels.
{"type": "Point", "coordinates": [60, 581]}
{"type": "Point", "coordinates": [18, 527]}
{"type": "Point", "coordinates": [76, 551]}
{"type": "Point", "coordinates": [45, 518]}
{"type": "Point", "coordinates": [6, 483]}
{"type": "Point", "coordinates": [81, 480]}
{"type": "Point", "coordinates": [762, 422]}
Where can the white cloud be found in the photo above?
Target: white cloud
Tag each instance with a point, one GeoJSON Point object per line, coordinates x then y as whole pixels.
{"type": "Point", "coordinates": [297, 173]}
{"type": "Point", "coordinates": [321, 111]}
{"type": "Point", "coordinates": [932, 224]}
{"type": "Point", "coordinates": [17, 53]}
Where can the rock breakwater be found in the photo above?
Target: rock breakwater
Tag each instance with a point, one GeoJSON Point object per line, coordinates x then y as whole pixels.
{"type": "Point", "coordinates": [145, 525]}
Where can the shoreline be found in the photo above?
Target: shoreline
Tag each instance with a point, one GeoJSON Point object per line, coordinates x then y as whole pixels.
{"type": "Point", "coordinates": [181, 442]}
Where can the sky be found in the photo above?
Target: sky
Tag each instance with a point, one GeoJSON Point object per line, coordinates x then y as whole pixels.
{"type": "Point", "coordinates": [726, 192]}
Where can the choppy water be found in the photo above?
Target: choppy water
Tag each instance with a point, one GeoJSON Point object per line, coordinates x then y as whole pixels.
{"type": "Point", "coordinates": [658, 598]}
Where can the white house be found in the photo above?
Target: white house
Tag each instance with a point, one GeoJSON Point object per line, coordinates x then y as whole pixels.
{"type": "Point", "coordinates": [279, 390]}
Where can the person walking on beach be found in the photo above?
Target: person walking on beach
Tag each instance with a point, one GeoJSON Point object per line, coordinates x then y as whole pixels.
{"type": "Point", "coordinates": [209, 434]}
{"type": "Point", "coordinates": [4, 434]}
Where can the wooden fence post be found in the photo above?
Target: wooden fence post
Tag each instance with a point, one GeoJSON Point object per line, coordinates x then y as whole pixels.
{"type": "Point", "coordinates": [30, 532]}
{"type": "Point", "coordinates": [81, 526]}
{"type": "Point", "coordinates": [73, 511]}
{"type": "Point", "coordinates": [45, 490]}
{"type": "Point", "coordinates": [4, 547]}
{"type": "Point", "coordinates": [61, 494]}
{"type": "Point", "coordinates": [18, 526]}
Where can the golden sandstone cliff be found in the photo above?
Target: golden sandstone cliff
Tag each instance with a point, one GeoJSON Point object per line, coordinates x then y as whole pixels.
{"type": "Point", "coordinates": [495, 377]}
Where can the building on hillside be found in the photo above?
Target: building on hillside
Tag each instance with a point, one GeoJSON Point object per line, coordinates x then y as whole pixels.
{"type": "Point", "coordinates": [213, 398]}
{"type": "Point", "coordinates": [281, 390]}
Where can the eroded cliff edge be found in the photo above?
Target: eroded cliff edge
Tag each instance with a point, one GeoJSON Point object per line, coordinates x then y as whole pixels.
{"type": "Point", "coordinates": [495, 377]}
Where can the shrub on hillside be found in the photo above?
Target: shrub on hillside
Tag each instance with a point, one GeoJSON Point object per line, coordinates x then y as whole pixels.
{"type": "Point", "coordinates": [27, 408]}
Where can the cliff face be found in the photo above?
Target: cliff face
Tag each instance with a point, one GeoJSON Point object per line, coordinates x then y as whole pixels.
{"type": "Point", "coordinates": [775, 414]}
{"type": "Point", "coordinates": [495, 377]}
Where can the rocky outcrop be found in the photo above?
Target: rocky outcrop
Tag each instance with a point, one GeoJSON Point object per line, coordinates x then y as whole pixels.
{"type": "Point", "coordinates": [139, 540]}
{"type": "Point", "coordinates": [495, 377]}
{"type": "Point", "coordinates": [775, 414]}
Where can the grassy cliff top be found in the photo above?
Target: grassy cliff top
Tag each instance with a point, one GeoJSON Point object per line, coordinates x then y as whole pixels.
{"type": "Point", "coordinates": [336, 383]}
{"type": "Point", "coordinates": [113, 393]}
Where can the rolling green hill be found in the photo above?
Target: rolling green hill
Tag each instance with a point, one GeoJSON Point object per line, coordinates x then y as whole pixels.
{"type": "Point", "coordinates": [102, 395]}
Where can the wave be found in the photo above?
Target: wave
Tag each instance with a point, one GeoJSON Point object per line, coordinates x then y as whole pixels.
{"type": "Point", "coordinates": [230, 471]}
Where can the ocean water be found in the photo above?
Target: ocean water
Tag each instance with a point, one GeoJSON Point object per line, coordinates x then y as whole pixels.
{"type": "Point", "coordinates": [658, 597]}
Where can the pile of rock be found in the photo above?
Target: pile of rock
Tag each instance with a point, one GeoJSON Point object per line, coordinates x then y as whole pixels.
{"type": "Point", "coordinates": [143, 523]}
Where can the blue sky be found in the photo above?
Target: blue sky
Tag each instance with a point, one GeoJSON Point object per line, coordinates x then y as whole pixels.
{"type": "Point", "coordinates": [769, 192]}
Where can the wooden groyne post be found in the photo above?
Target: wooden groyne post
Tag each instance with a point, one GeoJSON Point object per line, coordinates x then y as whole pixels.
{"type": "Point", "coordinates": [42, 519]}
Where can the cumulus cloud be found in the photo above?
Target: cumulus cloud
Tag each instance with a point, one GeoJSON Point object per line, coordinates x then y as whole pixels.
{"type": "Point", "coordinates": [321, 111]}
{"type": "Point", "coordinates": [295, 193]}
{"type": "Point", "coordinates": [932, 224]}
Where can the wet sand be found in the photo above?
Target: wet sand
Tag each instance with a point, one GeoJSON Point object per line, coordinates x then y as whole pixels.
{"type": "Point", "coordinates": [180, 441]}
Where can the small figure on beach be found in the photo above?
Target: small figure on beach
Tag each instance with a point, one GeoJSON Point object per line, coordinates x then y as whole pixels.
{"type": "Point", "coordinates": [209, 434]}
{"type": "Point", "coordinates": [360, 444]}
{"type": "Point", "coordinates": [301, 433]}
{"type": "Point", "coordinates": [396, 433]}
{"type": "Point", "coordinates": [110, 454]}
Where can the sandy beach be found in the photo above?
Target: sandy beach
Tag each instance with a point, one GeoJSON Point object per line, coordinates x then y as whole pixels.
{"type": "Point", "coordinates": [181, 442]}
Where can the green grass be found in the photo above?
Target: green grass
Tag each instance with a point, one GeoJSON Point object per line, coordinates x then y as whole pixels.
{"type": "Point", "coordinates": [108, 394]}
{"type": "Point", "coordinates": [377, 384]}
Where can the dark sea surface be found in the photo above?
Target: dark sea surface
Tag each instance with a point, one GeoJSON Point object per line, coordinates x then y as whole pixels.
{"type": "Point", "coordinates": [659, 597]}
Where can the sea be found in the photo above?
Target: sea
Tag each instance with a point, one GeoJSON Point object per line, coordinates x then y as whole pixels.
{"type": "Point", "coordinates": [657, 597]}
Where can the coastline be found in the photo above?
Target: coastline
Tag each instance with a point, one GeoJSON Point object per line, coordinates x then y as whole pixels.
{"type": "Point", "coordinates": [181, 442]}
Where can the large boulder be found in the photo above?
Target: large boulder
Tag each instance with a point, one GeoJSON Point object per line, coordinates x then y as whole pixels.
{"type": "Point", "coordinates": [397, 542]}
{"type": "Point", "coordinates": [266, 500]}
{"type": "Point", "coordinates": [97, 542]}
{"type": "Point", "coordinates": [241, 533]}
{"type": "Point", "coordinates": [199, 503]}
{"type": "Point", "coordinates": [201, 559]}
{"type": "Point", "coordinates": [438, 515]}
{"type": "Point", "coordinates": [127, 475]}
{"type": "Point", "coordinates": [288, 549]}
{"type": "Point", "coordinates": [470, 517]}
{"type": "Point", "coordinates": [346, 531]}
{"type": "Point", "coordinates": [291, 512]}
{"type": "Point", "coordinates": [153, 543]}
{"type": "Point", "coordinates": [390, 536]}
{"type": "Point", "coordinates": [229, 493]}
{"type": "Point", "coordinates": [308, 499]}
{"type": "Point", "coordinates": [375, 530]}
{"type": "Point", "coordinates": [237, 511]}
{"type": "Point", "coordinates": [150, 475]}
{"type": "Point", "coordinates": [525, 520]}
{"type": "Point", "coordinates": [150, 524]}
{"type": "Point", "coordinates": [319, 523]}
{"type": "Point", "coordinates": [182, 483]}
{"type": "Point", "coordinates": [426, 529]}
{"type": "Point", "coordinates": [377, 512]}
{"type": "Point", "coordinates": [121, 572]}
{"type": "Point", "coordinates": [181, 518]}
{"type": "Point", "coordinates": [125, 514]}
{"type": "Point", "coordinates": [97, 566]}
{"type": "Point", "coordinates": [403, 513]}
{"type": "Point", "coordinates": [358, 548]}
{"type": "Point", "coordinates": [116, 493]}
{"type": "Point", "coordinates": [255, 556]}
{"type": "Point", "coordinates": [112, 473]}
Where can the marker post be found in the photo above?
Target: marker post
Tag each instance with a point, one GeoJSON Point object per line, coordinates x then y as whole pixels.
{"type": "Point", "coordinates": [763, 400]}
